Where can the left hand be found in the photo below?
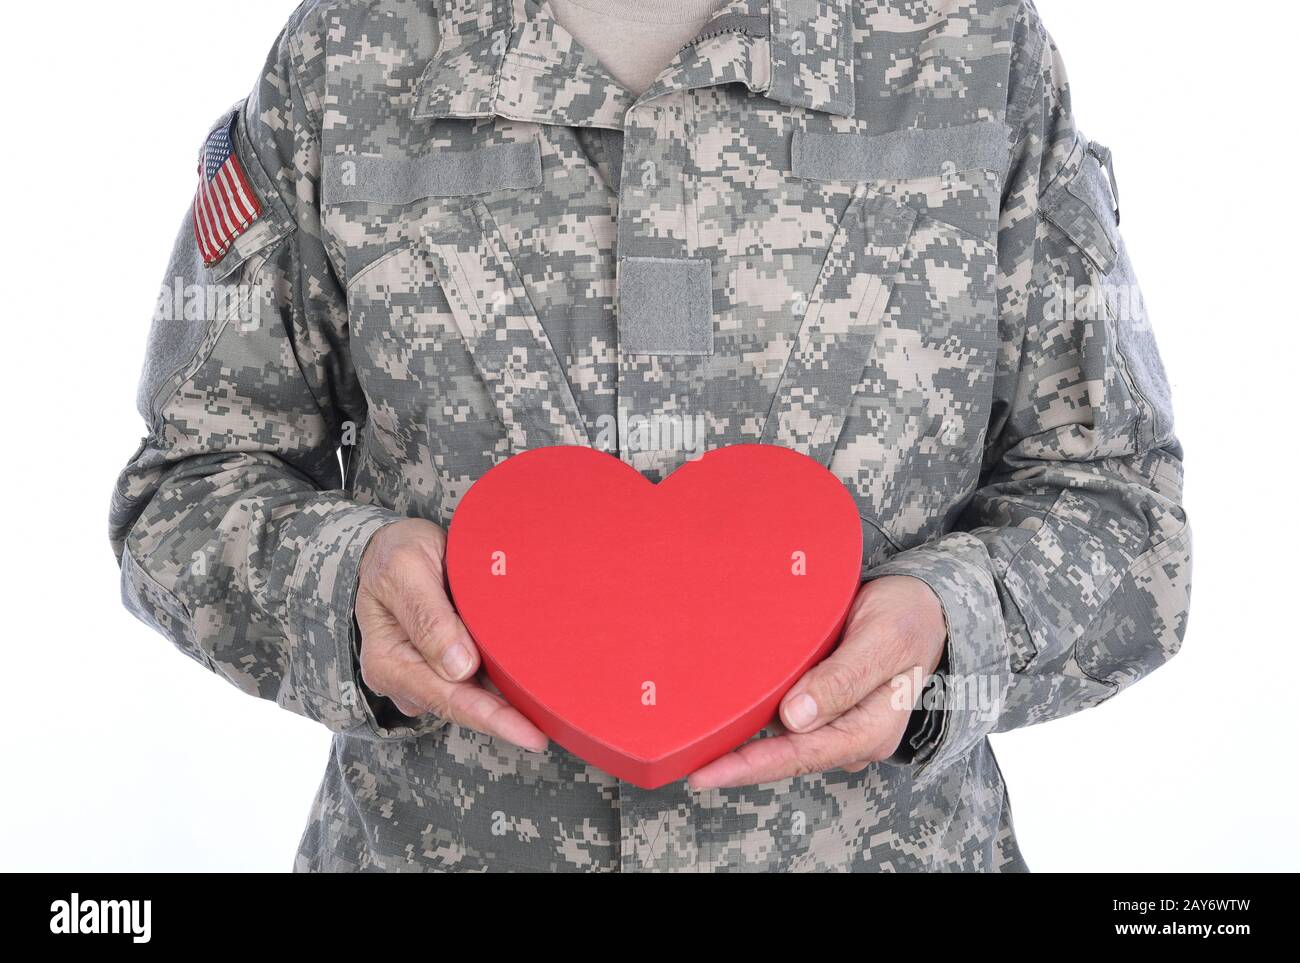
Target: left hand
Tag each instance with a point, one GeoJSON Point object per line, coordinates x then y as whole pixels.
{"type": "Point", "coordinates": [846, 713]}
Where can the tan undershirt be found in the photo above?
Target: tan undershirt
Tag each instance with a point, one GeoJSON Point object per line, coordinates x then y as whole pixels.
{"type": "Point", "coordinates": [633, 40]}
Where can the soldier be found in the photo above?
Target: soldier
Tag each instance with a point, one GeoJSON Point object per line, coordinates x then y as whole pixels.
{"type": "Point", "coordinates": [870, 232]}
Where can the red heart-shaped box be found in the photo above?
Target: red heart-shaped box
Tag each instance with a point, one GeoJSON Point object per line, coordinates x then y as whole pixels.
{"type": "Point", "coordinates": [649, 629]}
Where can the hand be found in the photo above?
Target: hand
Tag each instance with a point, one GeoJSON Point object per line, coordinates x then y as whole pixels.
{"type": "Point", "coordinates": [414, 648]}
{"type": "Point", "coordinates": [853, 709]}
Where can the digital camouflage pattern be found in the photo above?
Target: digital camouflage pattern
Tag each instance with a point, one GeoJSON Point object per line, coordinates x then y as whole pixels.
{"type": "Point", "coordinates": [866, 230]}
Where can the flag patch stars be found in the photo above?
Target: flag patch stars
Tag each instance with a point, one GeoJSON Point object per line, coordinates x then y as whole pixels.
{"type": "Point", "coordinates": [225, 205]}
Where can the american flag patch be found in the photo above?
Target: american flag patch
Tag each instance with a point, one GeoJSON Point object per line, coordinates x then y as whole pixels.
{"type": "Point", "coordinates": [225, 205]}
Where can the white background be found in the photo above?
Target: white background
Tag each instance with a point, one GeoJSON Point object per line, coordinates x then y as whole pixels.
{"type": "Point", "coordinates": [117, 753]}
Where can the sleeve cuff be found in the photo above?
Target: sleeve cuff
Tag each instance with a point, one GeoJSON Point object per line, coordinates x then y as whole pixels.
{"type": "Point", "coordinates": [323, 634]}
{"type": "Point", "coordinates": [965, 704]}
{"type": "Point", "coordinates": [925, 725]}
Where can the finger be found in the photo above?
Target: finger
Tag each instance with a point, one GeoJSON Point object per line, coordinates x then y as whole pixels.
{"type": "Point", "coordinates": [870, 731]}
{"type": "Point", "coordinates": [408, 709]}
{"type": "Point", "coordinates": [417, 691]}
{"type": "Point", "coordinates": [414, 593]}
{"type": "Point", "coordinates": [863, 663]}
{"type": "Point", "coordinates": [469, 704]}
{"type": "Point", "coordinates": [771, 760]}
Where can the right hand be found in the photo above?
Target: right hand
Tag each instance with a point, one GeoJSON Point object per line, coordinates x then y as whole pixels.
{"type": "Point", "coordinates": [414, 648]}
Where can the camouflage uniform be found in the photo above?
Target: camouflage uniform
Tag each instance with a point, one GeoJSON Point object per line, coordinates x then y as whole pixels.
{"type": "Point", "coordinates": [863, 229]}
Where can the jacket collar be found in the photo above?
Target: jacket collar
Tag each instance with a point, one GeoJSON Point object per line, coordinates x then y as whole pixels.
{"type": "Point", "coordinates": [509, 58]}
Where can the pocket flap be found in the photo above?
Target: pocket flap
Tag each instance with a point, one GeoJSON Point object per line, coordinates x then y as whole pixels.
{"type": "Point", "coordinates": [1083, 206]}
{"type": "Point", "coordinates": [900, 154]}
{"type": "Point", "coordinates": [384, 180]}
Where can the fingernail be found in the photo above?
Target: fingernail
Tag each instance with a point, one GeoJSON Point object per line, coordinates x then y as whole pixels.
{"type": "Point", "coordinates": [456, 661]}
{"type": "Point", "coordinates": [800, 712]}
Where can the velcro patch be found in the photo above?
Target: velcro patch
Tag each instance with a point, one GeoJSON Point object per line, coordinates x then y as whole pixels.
{"type": "Point", "coordinates": [665, 306]}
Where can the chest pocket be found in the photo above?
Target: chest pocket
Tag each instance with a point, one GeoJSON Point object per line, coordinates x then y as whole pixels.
{"type": "Point", "coordinates": [458, 370]}
{"type": "Point", "coordinates": [839, 329]}
{"type": "Point", "coordinates": [507, 342]}
{"type": "Point", "coordinates": [917, 399]}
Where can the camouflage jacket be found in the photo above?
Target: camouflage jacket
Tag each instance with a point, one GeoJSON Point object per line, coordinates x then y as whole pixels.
{"type": "Point", "coordinates": [869, 231]}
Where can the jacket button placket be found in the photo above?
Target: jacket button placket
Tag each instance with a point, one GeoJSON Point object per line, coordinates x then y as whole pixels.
{"type": "Point", "coordinates": [657, 826]}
